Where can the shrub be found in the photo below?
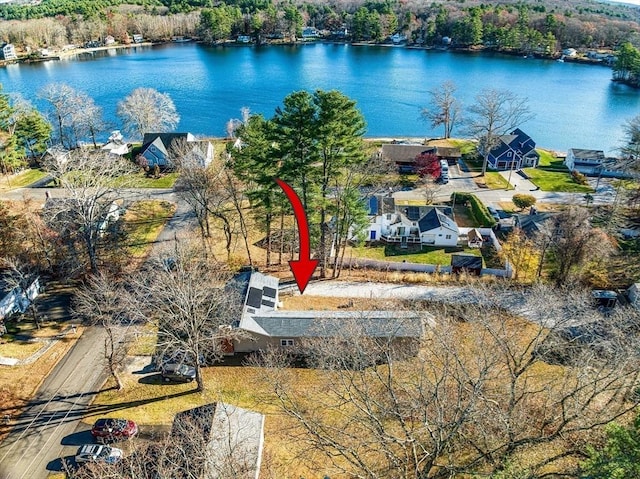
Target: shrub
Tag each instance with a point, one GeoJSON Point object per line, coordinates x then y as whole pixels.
{"type": "Point", "coordinates": [523, 201]}
{"type": "Point", "coordinates": [579, 177]}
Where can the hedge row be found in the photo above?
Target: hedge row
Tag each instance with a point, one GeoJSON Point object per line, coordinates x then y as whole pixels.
{"type": "Point", "coordinates": [478, 210]}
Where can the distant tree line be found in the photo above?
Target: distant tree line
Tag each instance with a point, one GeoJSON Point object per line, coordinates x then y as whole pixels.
{"type": "Point", "coordinates": [522, 27]}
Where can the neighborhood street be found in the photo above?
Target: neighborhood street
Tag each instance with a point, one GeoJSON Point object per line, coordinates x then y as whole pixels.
{"type": "Point", "coordinates": [50, 429]}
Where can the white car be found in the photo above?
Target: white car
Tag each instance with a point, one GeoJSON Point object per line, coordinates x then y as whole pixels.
{"type": "Point", "coordinates": [98, 453]}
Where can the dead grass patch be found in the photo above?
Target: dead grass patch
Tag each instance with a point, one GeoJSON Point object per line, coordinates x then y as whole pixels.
{"type": "Point", "coordinates": [20, 349]}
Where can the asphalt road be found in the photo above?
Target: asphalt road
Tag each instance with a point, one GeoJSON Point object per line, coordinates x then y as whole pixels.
{"type": "Point", "coordinates": [35, 442]}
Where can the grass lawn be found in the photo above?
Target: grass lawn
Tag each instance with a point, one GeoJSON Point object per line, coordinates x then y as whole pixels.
{"type": "Point", "coordinates": [144, 220]}
{"type": "Point", "coordinates": [149, 401]}
{"type": "Point", "coordinates": [556, 181]}
{"type": "Point", "coordinates": [141, 180]}
{"type": "Point", "coordinates": [428, 255]}
{"type": "Point", "coordinates": [495, 181]}
{"type": "Point", "coordinates": [22, 179]}
{"type": "Point", "coordinates": [467, 147]}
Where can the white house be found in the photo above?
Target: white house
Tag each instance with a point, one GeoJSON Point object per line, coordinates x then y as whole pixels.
{"type": "Point", "coordinates": [405, 225]}
{"type": "Point", "coordinates": [586, 162]}
{"type": "Point", "coordinates": [9, 52]}
{"type": "Point", "coordinates": [310, 32]}
{"type": "Point", "coordinates": [570, 52]}
{"type": "Point", "coordinates": [14, 300]}
{"type": "Point", "coordinates": [116, 144]}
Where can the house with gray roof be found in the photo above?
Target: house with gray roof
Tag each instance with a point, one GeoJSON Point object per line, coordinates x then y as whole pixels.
{"type": "Point", "coordinates": [267, 327]}
{"type": "Point", "coordinates": [157, 149]}
{"type": "Point", "coordinates": [513, 151]}
{"type": "Point", "coordinates": [403, 155]}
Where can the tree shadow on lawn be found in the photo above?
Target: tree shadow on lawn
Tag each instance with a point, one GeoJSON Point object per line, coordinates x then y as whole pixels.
{"type": "Point", "coordinates": [31, 420]}
{"type": "Point", "coordinates": [392, 250]}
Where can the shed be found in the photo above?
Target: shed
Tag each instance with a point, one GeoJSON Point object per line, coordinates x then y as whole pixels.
{"type": "Point", "coordinates": [467, 263]}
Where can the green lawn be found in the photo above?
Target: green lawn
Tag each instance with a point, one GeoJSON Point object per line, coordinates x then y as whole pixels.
{"type": "Point", "coordinates": [22, 179]}
{"type": "Point", "coordinates": [467, 147]}
{"type": "Point", "coordinates": [495, 181]}
{"type": "Point", "coordinates": [556, 181]}
{"type": "Point", "coordinates": [141, 180]}
{"type": "Point", "coordinates": [428, 255]}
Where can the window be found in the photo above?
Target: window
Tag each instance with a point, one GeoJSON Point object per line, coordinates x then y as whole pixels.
{"type": "Point", "coordinates": [448, 237]}
{"type": "Point", "coordinates": [286, 342]}
{"type": "Point", "coordinates": [389, 216]}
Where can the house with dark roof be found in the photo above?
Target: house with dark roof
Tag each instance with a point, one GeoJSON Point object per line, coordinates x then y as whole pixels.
{"type": "Point", "coordinates": [410, 225]}
{"type": "Point", "coordinates": [514, 151]}
{"type": "Point", "coordinates": [157, 149]}
{"type": "Point", "coordinates": [450, 154]}
{"type": "Point", "coordinates": [403, 155]}
{"type": "Point", "coordinates": [233, 438]}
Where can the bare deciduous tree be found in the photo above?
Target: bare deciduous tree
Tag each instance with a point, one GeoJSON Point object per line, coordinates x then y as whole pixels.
{"type": "Point", "coordinates": [101, 303]}
{"type": "Point", "coordinates": [146, 110]}
{"type": "Point", "coordinates": [568, 240]}
{"type": "Point", "coordinates": [476, 397]}
{"type": "Point", "coordinates": [65, 102]}
{"type": "Point", "coordinates": [190, 301]}
{"type": "Point", "coordinates": [444, 108]}
{"type": "Point", "coordinates": [495, 113]}
{"type": "Point", "coordinates": [92, 182]}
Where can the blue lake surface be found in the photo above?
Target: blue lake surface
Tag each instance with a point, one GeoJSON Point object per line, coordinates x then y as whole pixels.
{"type": "Point", "coordinates": [576, 106]}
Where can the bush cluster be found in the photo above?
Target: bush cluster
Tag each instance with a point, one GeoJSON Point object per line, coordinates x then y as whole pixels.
{"type": "Point", "coordinates": [579, 177]}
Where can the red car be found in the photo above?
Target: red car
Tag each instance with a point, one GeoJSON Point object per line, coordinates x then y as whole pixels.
{"type": "Point", "coordinates": [109, 430]}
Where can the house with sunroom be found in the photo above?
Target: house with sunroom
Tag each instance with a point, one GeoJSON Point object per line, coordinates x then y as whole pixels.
{"type": "Point", "coordinates": [429, 225]}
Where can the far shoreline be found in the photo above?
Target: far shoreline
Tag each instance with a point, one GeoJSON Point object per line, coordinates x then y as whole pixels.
{"type": "Point", "coordinates": [69, 53]}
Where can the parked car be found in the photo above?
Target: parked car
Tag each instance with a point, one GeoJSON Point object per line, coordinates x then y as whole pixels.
{"type": "Point", "coordinates": [109, 430]}
{"type": "Point", "coordinates": [98, 453]}
{"type": "Point", "coordinates": [493, 212]}
{"type": "Point", "coordinates": [178, 372]}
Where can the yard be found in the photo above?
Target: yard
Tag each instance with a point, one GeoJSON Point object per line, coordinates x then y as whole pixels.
{"type": "Point", "coordinates": [492, 180]}
{"type": "Point", "coordinates": [549, 160]}
{"type": "Point", "coordinates": [556, 181]}
{"type": "Point", "coordinates": [143, 222]}
{"type": "Point", "coordinates": [22, 179]}
{"type": "Point", "coordinates": [426, 255]}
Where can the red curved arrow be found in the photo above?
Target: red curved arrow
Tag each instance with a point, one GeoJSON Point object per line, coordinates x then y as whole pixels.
{"type": "Point", "coordinates": [305, 266]}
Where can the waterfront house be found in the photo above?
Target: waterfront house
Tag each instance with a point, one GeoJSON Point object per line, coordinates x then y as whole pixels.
{"type": "Point", "coordinates": [513, 151]}
{"type": "Point", "coordinates": [309, 33]}
{"type": "Point", "coordinates": [427, 225]}
{"type": "Point", "coordinates": [9, 52]}
{"type": "Point", "coordinates": [587, 162]}
{"type": "Point", "coordinates": [570, 52]}
{"type": "Point", "coordinates": [157, 149]}
{"type": "Point", "coordinates": [116, 144]}
{"type": "Point", "coordinates": [138, 38]}
{"type": "Point", "coordinates": [594, 163]}
{"type": "Point", "coordinates": [109, 40]}
{"type": "Point", "coordinates": [403, 155]}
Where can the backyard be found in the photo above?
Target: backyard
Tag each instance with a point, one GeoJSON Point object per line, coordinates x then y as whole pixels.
{"type": "Point", "coordinates": [425, 255]}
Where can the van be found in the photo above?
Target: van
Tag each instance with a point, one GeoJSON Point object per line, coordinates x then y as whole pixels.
{"type": "Point", "coordinates": [444, 166]}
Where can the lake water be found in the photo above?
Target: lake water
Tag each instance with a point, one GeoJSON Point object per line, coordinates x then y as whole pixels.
{"type": "Point", "coordinates": [576, 106]}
